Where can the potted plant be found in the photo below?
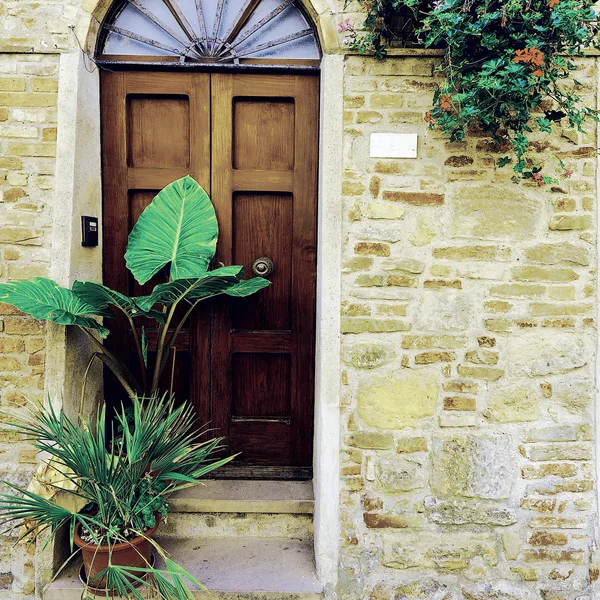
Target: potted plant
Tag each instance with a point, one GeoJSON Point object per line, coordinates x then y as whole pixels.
{"type": "Point", "coordinates": [176, 233]}
{"type": "Point", "coordinates": [123, 494]}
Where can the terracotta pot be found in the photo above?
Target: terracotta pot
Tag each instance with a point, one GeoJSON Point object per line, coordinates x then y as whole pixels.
{"type": "Point", "coordinates": [135, 553]}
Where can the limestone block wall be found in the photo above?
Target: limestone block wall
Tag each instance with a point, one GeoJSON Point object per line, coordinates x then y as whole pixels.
{"type": "Point", "coordinates": [468, 358]}
{"type": "Point", "coordinates": [28, 92]}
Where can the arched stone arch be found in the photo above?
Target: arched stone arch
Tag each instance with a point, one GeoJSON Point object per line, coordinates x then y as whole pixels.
{"type": "Point", "coordinates": [325, 15]}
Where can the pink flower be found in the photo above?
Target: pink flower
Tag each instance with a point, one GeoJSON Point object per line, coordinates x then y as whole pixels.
{"type": "Point", "coordinates": [344, 26]}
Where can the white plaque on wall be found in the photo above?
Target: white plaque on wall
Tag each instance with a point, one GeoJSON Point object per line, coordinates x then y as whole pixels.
{"type": "Point", "coordinates": [394, 145]}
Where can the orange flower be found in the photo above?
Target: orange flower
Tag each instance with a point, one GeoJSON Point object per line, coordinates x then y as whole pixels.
{"type": "Point", "coordinates": [428, 117]}
{"type": "Point", "coordinates": [553, 3]}
{"type": "Point", "coordinates": [538, 73]}
{"type": "Point", "coordinates": [445, 103]}
{"type": "Point", "coordinates": [529, 56]}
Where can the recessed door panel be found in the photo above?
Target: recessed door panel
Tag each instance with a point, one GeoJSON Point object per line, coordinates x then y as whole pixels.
{"type": "Point", "coordinates": [262, 130]}
{"type": "Point", "coordinates": [158, 131]}
{"type": "Point", "coordinates": [263, 227]}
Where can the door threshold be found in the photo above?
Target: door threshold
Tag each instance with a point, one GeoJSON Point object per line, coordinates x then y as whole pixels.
{"type": "Point", "coordinates": [237, 496]}
{"type": "Point", "coordinates": [262, 472]}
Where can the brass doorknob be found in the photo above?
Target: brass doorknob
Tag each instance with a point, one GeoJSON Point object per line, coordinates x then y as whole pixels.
{"type": "Point", "coordinates": [263, 267]}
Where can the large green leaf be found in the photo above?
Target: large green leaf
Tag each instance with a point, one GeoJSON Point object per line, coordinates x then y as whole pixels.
{"type": "Point", "coordinates": [97, 294]}
{"type": "Point", "coordinates": [248, 287]}
{"type": "Point", "coordinates": [179, 228]}
{"type": "Point", "coordinates": [213, 283]}
{"type": "Point", "coordinates": [45, 300]}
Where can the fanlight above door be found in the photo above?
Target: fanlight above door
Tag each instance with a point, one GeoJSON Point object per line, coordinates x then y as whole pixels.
{"type": "Point", "coordinates": [218, 32]}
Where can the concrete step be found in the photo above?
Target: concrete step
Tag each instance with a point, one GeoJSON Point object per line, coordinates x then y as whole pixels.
{"type": "Point", "coordinates": [231, 569]}
{"type": "Point", "coordinates": [233, 508]}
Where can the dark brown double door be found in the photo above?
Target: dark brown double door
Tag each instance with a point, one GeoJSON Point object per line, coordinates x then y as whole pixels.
{"type": "Point", "coordinates": [251, 142]}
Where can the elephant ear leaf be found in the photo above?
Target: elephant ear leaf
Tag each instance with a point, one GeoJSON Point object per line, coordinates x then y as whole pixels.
{"type": "Point", "coordinates": [45, 300]}
{"type": "Point", "coordinates": [102, 296]}
{"type": "Point", "coordinates": [179, 228]}
{"type": "Point", "coordinates": [247, 287]}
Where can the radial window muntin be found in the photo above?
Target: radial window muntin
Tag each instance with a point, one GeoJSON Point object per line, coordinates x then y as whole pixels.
{"type": "Point", "coordinates": [209, 32]}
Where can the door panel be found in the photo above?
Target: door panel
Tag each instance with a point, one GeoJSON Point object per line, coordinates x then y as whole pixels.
{"type": "Point", "coordinates": [251, 142]}
{"type": "Point", "coordinates": [264, 190]}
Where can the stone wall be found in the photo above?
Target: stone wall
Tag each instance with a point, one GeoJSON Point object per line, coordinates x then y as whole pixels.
{"type": "Point", "coordinates": [469, 335]}
{"type": "Point", "coordinates": [469, 358]}
{"type": "Point", "coordinates": [28, 93]}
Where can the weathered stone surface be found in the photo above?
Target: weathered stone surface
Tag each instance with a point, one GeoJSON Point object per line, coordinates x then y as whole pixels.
{"type": "Point", "coordinates": [472, 466]}
{"type": "Point", "coordinates": [371, 440]}
{"type": "Point", "coordinates": [400, 475]}
{"type": "Point", "coordinates": [442, 551]}
{"type": "Point", "coordinates": [368, 356]}
{"type": "Point", "coordinates": [410, 445]}
{"type": "Point", "coordinates": [444, 311]}
{"type": "Point", "coordinates": [399, 399]}
{"type": "Point", "coordinates": [574, 394]}
{"type": "Point", "coordinates": [481, 212]}
{"type": "Point", "coordinates": [511, 544]}
{"type": "Point", "coordinates": [423, 589]}
{"type": "Point", "coordinates": [388, 521]}
{"type": "Point", "coordinates": [553, 254]}
{"type": "Point", "coordinates": [513, 404]}
{"type": "Point", "coordinates": [457, 511]}
{"type": "Point", "coordinates": [543, 353]}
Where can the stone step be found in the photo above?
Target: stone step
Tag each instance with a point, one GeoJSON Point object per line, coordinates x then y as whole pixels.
{"type": "Point", "coordinates": [234, 525]}
{"type": "Point", "coordinates": [231, 509]}
{"type": "Point", "coordinates": [231, 569]}
{"type": "Point", "coordinates": [251, 496]}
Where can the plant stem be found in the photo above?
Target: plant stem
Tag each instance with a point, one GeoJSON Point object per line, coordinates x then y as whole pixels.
{"type": "Point", "coordinates": [138, 347]}
{"type": "Point", "coordinates": [160, 349]}
{"type": "Point", "coordinates": [120, 371]}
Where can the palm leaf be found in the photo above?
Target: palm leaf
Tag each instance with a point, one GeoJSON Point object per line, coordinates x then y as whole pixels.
{"type": "Point", "coordinates": [44, 299]}
{"type": "Point", "coordinates": [212, 283]}
{"type": "Point", "coordinates": [179, 228]}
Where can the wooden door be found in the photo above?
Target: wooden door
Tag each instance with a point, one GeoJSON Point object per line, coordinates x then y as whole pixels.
{"type": "Point", "coordinates": [264, 141]}
{"type": "Point", "coordinates": [251, 141]}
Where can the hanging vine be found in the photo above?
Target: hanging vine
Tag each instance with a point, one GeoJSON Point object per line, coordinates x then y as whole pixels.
{"type": "Point", "coordinates": [508, 65]}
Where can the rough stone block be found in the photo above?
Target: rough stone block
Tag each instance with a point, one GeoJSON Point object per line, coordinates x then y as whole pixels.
{"type": "Point", "coordinates": [368, 356]}
{"type": "Point", "coordinates": [553, 254]}
{"type": "Point", "coordinates": [472, 466]}
{"type": "Point", "coordinates": [514, 404]}
{"type": "Point", "coordinates": [462, 512]}
{"type": "Point", "coordinates": [485, 373]}
{"type": "Point", "coordinates": [445, 310]}
{"type": "Point", "coordinates": [374, 248]}
{"type": "Point", "coordinates": [399, 399]}
{"type": "Point", "coordinates": [371, 440]}
{"type": "Point", "coordinates": [411, 445]}
{"type": "Point", "coordinates": [539, 353]}
{"type": "Point", "coordinates": [485, 212]}
{"type": "Point", "coordinates": [364, 325]}
{"type": "Point", "coordinates": [400, 475]}
{"type": "Point", "coordinates": [439, 550]}
{"type": "Point", "coordinates": [414, 198]}
{"type": "Point", "coordinates": [570, 222]}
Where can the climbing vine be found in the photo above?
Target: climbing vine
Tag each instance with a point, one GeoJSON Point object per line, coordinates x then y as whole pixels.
{"type": "Point", "coordinates": [508, 65]}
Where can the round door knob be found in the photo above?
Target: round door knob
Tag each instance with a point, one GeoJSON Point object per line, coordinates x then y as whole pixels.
{"type": "Point", "coordinates": [263, 267]}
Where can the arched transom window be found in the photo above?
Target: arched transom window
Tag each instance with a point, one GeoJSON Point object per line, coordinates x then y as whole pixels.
{"type": "Point", "coordinates": [217, 32]}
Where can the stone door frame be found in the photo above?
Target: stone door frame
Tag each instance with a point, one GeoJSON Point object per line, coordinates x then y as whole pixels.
{"type": "Point", "coordinates": [79, 192]}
